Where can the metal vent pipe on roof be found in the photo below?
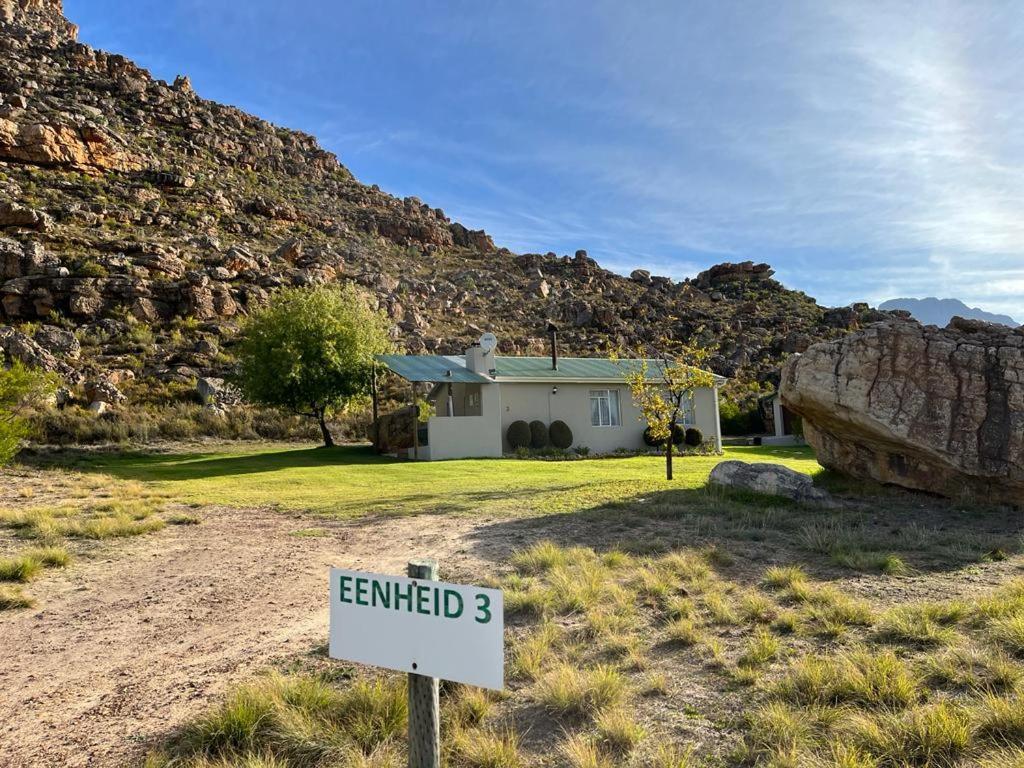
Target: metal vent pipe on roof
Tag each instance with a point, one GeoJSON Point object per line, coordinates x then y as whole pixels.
{"type": "Point", "coordinates": [553, 332]}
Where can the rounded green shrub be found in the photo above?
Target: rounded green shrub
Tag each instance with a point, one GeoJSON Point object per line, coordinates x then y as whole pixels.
{"type": "Point", "coordinates": [694, 437]}
{"type": "Point", "coordinates": [518, 435]}
{"type": "Point", "coordinates": [560, 435]}
{"type": "Point", "coordinates": [538, 434]}
{"type": "Point", "coordinates": [678, 434]}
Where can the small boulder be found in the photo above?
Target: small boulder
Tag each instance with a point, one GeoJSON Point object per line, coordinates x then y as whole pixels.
{"type": "Point", "coordinates": [60, 342]}
{"type": "Point", "coordinates": [289, 251]}
{"type": "Point", "coordinates": [770, 480]}
{"type": "Point", "coordinates": [640, 276]}
{"type": "Point", "coordinates": [103, 391]}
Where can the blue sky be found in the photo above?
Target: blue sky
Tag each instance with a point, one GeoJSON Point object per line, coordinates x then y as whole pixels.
{"type": "Point", "coordinates": [865, 150]}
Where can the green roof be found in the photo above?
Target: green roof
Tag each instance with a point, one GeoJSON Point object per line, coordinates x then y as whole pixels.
{"type": "Point", "coordinates": [590, 368]}
{"type": "Point", "coordinates": [432, 368]}
{"type": "Point", "coordinates": [439, 368]}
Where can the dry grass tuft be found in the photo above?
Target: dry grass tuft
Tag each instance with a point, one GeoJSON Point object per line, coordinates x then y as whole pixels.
{"type": "Point", "coordinates": [12, 597]}
{"type": "Point", "coordinates": [619, 730]}
{"type": "Point", "coordinates": [571, 692]}
{"type": "Point", "coordinates": [487, 749]}
{"type": "Point", "coordinates": [924, 624]}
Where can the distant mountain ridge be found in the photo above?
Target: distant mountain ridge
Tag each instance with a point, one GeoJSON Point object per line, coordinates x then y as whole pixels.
{"type": "Point", "coordinates": [933, 311]}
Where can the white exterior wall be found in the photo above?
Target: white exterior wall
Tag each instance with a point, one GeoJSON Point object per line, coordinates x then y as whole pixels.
{"type": "Point", "coordinates": [467, 437]}
{"type": "Point", "coordinates": [529, 401]}
{"type": "Point", "coordinates": [462, 437]}
{"type": "Point", "coordinates": [706, 416]}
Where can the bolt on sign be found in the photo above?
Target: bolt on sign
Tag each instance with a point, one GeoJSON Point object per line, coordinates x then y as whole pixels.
{"type": "Point", "coordinates": [431, 628]}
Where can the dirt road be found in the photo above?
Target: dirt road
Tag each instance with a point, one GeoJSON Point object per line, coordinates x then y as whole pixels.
{"type": "Point", "coordinates": [122, 649]}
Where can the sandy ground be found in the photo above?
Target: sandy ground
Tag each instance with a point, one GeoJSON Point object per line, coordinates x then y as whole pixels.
{"type": "Point", "coordinates": [125, 647]}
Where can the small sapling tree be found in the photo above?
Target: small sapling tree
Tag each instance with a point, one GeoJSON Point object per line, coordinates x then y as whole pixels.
{"type": "Point", "coordinates": [311, 351]}
{"type": "Point", "coordinates": [662, 384]}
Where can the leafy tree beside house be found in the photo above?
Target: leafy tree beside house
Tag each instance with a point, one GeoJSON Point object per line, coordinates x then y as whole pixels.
{"type": "Point", "coordinates": [311, 351]}
{"type": "Point", "coordinates": [662, 384]}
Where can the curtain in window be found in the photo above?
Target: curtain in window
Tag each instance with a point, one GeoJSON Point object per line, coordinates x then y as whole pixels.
{"type": "Point", "coordinates": [613, 407]}
{"type": "Point", "coordinates": [604, 407]}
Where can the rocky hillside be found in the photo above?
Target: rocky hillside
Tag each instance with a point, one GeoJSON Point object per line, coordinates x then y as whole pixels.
{"type": "Point", "coordinates": [139, 222]}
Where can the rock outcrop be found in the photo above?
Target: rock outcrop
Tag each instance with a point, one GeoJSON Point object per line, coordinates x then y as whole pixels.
{"type": "Point", "coordinates": [932, 409]}
{"type": "Point", "coordinates": [82, 148]}
{"type": "Point", "coordinates": [770, 480]}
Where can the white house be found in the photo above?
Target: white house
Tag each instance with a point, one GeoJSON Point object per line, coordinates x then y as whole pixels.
{"type": "Point", "coordinates": [477, 396]}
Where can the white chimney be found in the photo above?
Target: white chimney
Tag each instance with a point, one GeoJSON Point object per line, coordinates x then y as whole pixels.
{"type": "Point", "coordinates": [479, 360]}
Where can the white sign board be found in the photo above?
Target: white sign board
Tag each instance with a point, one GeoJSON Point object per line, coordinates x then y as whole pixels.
{"type": "Point", "coordinates": [431, 628]}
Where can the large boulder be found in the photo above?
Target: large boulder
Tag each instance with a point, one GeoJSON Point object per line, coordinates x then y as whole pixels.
{"type": "Point", "coordinates": [939, 410]}
{"type": "Point", "coordinates": [770, 480]}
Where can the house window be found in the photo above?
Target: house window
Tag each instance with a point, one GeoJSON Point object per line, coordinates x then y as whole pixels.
{"type": "Point", "coordinates": [604, 407]}
{"type": "Point", "coordinates": [687, 413]}
{"type": "Point", "coordinates": [473, 400]}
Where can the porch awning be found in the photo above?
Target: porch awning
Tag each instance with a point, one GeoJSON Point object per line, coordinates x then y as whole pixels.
{"type": "Point", "coordinates": [432, 368]}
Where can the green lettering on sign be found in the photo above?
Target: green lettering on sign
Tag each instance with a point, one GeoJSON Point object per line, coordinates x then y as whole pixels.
{"type": "Point", "coordinates": [381, 595]}
{"type": "Point", "coordinates": [344, 588]}
{"type": "Point", "coordinates": [399, 597]}
{"type": "Point", "coordinates": [422, 599]}
{"type": "Point", "coordinates": [361, 590]}
{"type": "Point", "coordinates": [452, 604]}
{"type": "Point", "coordinates": [483, 607]}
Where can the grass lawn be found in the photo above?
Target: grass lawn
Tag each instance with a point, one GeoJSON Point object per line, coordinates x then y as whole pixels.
{"type": "Point", "coordinates": [648, 624]}
{"type": "Point", "coordinates": [352, 481]}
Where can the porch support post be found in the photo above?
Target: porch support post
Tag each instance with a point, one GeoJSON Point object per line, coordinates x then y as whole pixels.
{"type": "Point", "coordinates": [415, 424]}
{"type": "Point", "coordinates": [376, 405]}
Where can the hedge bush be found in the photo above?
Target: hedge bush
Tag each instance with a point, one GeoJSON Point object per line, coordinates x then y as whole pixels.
{"type": "Point", "coordinates": [678, 436]}
{"type": "Point", "coordinates": [538, 434]}
{"type": "Point", "coordinates": [519, 435]}
{"type": "Point", "coordinates": [694, 437]}
{"type": "Point", "coordinates": [560, 435]}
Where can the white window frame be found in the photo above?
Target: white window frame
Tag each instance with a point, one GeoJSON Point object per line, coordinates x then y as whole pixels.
{"type": "Point", "coordinates": [688, 411]}
{"type": "Point", "coordinates": [614, 415]}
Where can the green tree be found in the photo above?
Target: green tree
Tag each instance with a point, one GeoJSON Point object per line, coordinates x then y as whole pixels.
{"type": "Point", "coordinates": [661, 385]}
{"type": "Point", "coordinates": [311, 350]}
{"type": "Point", "coordinates": [20, 389]}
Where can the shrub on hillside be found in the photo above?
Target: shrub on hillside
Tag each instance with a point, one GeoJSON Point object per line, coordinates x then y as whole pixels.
{"type": "Point", "coordinates": [21, 388]}
{"type": "Point", "coordinates": [694, 437]}
{"type": "Point", "coordinates": [560, 434]}
{"type": "Point", "coordinates": [538, 434]}
{"type": "Point", "coordinates": [519, 435]}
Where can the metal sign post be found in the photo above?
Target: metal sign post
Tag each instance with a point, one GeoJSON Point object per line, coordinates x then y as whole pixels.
{"type": "Point", "coordinates": [424, 702]}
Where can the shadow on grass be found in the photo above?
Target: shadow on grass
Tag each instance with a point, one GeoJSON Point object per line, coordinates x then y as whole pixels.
{"type": "Point", "coordinates": [148, 465]}
{"type": "Point", "coordinates": [746, 533]}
